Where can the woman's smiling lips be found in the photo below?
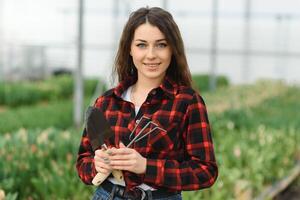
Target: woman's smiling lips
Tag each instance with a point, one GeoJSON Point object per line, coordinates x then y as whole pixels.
{"type": "Point", "coordinates": [151, 64]}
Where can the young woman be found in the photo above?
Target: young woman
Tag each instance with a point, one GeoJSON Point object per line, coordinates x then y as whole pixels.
{"type": "Point", "coordinates": [154, 98]}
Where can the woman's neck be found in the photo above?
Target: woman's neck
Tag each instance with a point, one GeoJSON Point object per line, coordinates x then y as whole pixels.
{"type": "Point", "coordinates": [141, 89]}
{"type": "Point", "coordinates": [145, 86]}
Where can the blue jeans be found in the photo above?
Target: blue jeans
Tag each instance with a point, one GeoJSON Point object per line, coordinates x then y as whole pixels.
{"type": "Point", "coordinates": [102, 194]}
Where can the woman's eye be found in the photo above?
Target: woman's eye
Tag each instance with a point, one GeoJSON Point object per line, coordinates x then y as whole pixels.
{"type": "Point", "coordinates": [161, 45]}
{"type": "Point", "coordinates": [141, 45]}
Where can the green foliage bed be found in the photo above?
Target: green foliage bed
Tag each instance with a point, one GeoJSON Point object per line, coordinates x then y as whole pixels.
{"type": "Point", "coordinates": [30, 92]}
{"type": "Point", "coordinates": [40, 164]}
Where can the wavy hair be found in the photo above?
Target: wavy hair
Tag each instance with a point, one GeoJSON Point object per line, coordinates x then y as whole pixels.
{"type": "Point", "coordinates": [178, 69]}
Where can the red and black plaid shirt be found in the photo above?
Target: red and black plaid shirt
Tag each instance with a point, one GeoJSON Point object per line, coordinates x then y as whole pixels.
{"type": "Point", "coordinates": [182, 158]}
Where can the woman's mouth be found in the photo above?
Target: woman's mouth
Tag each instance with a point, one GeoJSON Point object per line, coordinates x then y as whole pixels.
{"type": "Point", "coordinates": [152, 64]}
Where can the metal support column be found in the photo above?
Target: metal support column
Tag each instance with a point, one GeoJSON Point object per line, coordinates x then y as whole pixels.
{"type": "Point", "coordinates": [247, 38]}
{"type": "Point", "coordinates": [214, 46]}
{"type": "Point", "coordinates": [165, 4]}
{"type": "Point", "coordinates": [78, 89]}
{"type": "Point", "coordinates": [1, 42]}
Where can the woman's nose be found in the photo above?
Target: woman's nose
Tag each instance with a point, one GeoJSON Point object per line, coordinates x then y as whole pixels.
{"type": "Point", "coordinates": [151, 53]}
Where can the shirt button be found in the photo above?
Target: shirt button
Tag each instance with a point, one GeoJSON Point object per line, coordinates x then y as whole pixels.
{"type": "Point", "coordinates": [153, 92]}
{"type": "Point", "coordinates": [137, 121]}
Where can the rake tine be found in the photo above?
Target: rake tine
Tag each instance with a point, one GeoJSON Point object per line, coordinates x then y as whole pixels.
{"type": "Point", "coordinates": [135, 127]}
{"type": "Point", "coordinates": [157, 127]}
{"type": "Point", "coordinates": [132, 141]}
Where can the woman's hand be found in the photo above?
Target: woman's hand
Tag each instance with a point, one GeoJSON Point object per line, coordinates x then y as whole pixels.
{"type": "Point", "coordinates": [127, 159]}
{"type": "Point", "coordinates": [101, 160]}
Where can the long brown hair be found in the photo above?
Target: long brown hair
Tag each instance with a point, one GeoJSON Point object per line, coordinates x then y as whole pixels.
{"type": "Point", "coordinates": [178, 70]}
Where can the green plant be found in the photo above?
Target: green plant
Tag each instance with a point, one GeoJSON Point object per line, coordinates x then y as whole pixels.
{"type": "Point", "coordinates": [40, 164]}
{"type": "Point", "coordinates": [57, 114]}
{"type": "Point", "coordinates": [201, 82]}
{"type": "Point", "coordinates": [54, 88]}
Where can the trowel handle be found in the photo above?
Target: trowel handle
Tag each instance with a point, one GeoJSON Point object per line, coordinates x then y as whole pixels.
{"type": "Point", "coordinates": [118, 174]}
{"type": "Point", "coordinates": [99, 178]}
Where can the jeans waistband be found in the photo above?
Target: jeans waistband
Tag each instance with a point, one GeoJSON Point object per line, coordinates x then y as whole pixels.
{"type": "Point", "coordinates": [137, 193]}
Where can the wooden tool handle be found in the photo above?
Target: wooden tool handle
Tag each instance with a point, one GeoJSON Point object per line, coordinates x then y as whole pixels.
{"type": "Point", "coordinates": [99, 178]}
{"type": "Point", "coordinates": [118, 174]}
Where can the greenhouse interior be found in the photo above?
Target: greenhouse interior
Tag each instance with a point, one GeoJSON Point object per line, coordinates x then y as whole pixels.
{"type": "Point", "coordinates": [57, 59]}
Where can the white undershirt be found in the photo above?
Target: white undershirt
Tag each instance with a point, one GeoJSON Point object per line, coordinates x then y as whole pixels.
{"type": "Point", "coordinates": [127, 97]}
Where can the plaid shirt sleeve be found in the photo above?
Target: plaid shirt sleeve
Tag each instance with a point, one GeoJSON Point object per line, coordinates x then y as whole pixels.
{"type": "Point", "coordinates": [85, 160]}
{"type": "Point", "coordinates": [199, 169]}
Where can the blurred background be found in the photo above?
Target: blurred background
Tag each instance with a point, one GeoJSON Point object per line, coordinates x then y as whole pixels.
{"type": "Point", "coordinates": [56, 58]}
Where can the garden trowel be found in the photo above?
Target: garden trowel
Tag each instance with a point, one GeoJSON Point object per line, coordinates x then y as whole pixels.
{"type": "Point", "coordinates": [98, 130]}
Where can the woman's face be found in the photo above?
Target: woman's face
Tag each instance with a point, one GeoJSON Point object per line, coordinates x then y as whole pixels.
{"type": "Point", "coordinates": [150, 52]}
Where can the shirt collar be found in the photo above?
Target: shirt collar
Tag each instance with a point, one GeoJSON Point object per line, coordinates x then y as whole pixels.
{"type": "Point", "coordinates": [168, 86]}
{"type": "Point", "coordinates": [124, 85]}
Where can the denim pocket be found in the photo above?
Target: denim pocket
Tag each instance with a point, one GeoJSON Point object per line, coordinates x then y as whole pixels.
{"type": "Point", "coordinates": [100, 194]}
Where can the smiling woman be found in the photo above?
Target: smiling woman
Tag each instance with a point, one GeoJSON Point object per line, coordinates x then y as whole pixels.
{"type": "Point", "coordinates": [151, 56]}
{"type": "Point", "coordinates": [155, 101]}
{"type": "Point", "coordinates": [150, 53]}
